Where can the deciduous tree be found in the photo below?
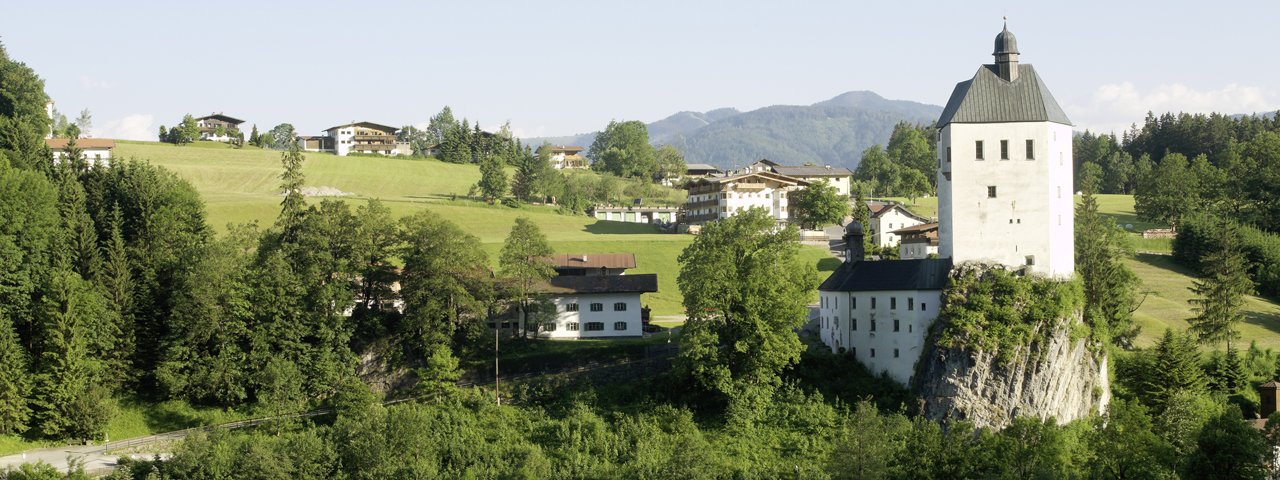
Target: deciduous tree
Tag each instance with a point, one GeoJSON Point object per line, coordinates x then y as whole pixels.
{"type": "Point", "coordinates": [819, 204]}
{"type": "Point", "coordinates": [623, 149]}
{"type": "Point", "coordinates": [493, 179]}
{"type": "Point", "coordinates": [524, 260]}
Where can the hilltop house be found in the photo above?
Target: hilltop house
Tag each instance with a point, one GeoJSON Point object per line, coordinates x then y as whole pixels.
{"type": "Point", "coordinates": [886, 218]}
{"type": "Point", "coordinates": [717, 198]}
{"type": "Point", "coordinates": [357, 137]}
{"type": "Point", "coordinates": [594, 297]}
{"type": "Point", "coordinates": [567, 157]}
{"type": "Point", "coordinates": [218, 127]}
{"type": "Point", "coordinates": [839, 177]}
{"type": "Point", "coordinates": [97, 151]}
{"type": "Point", "coordinates": [999, 206]}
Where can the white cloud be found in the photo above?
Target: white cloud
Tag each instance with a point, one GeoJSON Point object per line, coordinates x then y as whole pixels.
{"type": "Point", "coordinates": [138, 126]}
{"type": "Point", "coordinates": [1114, 107]}
{"type": "Point", "coordinates": [90, 83]}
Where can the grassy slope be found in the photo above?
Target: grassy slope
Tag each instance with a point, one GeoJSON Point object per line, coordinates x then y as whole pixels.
{"type": "Point", "coordinates": [241, 186]}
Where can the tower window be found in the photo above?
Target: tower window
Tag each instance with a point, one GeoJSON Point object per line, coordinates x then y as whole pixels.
{"type": "Point", "coordinates": [873, 324]}
{"type": "Point", "coordinates": [873, 353]}
{"type": "Point", "coordinates": [1031, 149]}
{"type": "Point", "coordinates": [991, 191]}
{"type": "Point", "coordinates": [895, 353]}
{"type": "Point", "coordinates": [911, 303]}
{"type": "Point", "coordinates": [893, 303]}
{"type": "Point", "coordinates": [896, 325]}
{"type": "Point", "coordinates": [948, 154]}
{"type": "Point", "coordinates": [873, 303]}
{"type": "Point", "coordinates": [978, 149]}
{"type": "Point", "coordinates": [1004, 149]}
{"type": "Point", "coordinates": [1031, 259]}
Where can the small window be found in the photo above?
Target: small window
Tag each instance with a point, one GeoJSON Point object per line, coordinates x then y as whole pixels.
{"type": "Point", "coordinates": [853, 324]}
{"type": "Point", "coordinates": [853, 303]}
{"type": "Point", "coordinates": [1031, 149]}
{"type": "Point", "coordinates": [619, 325]}
{"type": "Point", "coordinates": [571, 326]}
{"type": "Point", "coordinates": [978, 150]}
{"type": "Point", "coordinates": [837, 320]}
{"type": "Point", "coordinates": [873, 324]}
{"type": "Point", "coordinates": [911, 303]}
{"type": "Point", "coordinates": [991, 192]}
{"type": "Point", "coordinates": [620, 307]}
{"type": "Point", "coordinates": [549, 327]}
{"type": "Point", "coordinates": [909, 328]}
{"type": "Point", "coordinates": [948, 154]}
{"type": "Point", "coordinates": [873, 353]}
{"type": "Point", "coordinates": [595, 326]}
{"type": "Point", "coordinates": [597, 307]}
{"type": "Point", "coordinates": [873, 303]}
{"type": "Point", "coordinates": [895, 353]}
{"type": "Point", "coordinates": [1004, 149]}
{"type": "Point", "coordinates": [1031, 259]}
{"type": "Point", "coordinates": [893, 303]}
{"type": "Point", "coordinates": [922, 306]}
{"type": "Point", "coordinates": [572, 307]}
{"type": "Point", "coordinates": [896, 325]}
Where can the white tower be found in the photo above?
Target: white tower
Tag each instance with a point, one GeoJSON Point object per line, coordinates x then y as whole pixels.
{"type": "Point", "coordinates": [1005, 170]}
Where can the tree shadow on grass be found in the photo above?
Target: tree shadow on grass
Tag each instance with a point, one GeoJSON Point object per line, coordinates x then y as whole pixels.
{"type": "Point", "coordinates": [606, 227]}
{"type": "Point", "coordinates": [1164, 262]}
{"type": "Point", "coordinates": [1269, 321]}
{"type": "Point", "coordinates": [829, 264]}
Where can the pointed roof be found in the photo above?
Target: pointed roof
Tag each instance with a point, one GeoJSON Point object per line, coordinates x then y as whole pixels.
{"type": "Point", "coordinates": [987, 98]}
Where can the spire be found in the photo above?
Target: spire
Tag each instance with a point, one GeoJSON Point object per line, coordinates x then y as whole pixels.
{"type": "Point", "coordinates": [1006, 54]}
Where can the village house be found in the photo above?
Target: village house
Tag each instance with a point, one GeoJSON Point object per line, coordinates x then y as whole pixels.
{"type": "Point", "coordinates": [356, 137]}
{"type": "Point", "coordinates": [1004, 158]}
{"type": "Point", "coordinates": [594, 297]}
{"type": "Point", "coordinates": [718, 198]}
{"type": "Point", "coordinates": [219, 128]}
{"type": "Point", "coordinates": [635, 214]}
{"type": "Point", "coordinates": [839, 177]}
{"type": "Point", "coordinates": [96, 151]}
{"type": "Point", "coordinates": [699, 170]}
{"type": "Point", "coordinates": [567, 157]}
{"type": "Point", "coordinates": [886, 218]}
{"type": "Point", "coordinates": [918, 241]}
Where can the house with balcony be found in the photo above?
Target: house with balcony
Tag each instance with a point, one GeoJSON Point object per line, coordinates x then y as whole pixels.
{"type": "Point", "coordinates": [95, 151]}
{"type": "Point", "coordinates": [889, 217]}
{"type": "Point", "coordinates": [918, 241]}
{"type": "Point", "coordinates": [595, 298]}
{"type": "Point", "coordinates": [356, 137]}
{"type": "Point", "coordinates": [219, 128]}
{"type": "Point", "coordinates": [567, 157]}
{"type": "Point", "coordinates": [716, 198]}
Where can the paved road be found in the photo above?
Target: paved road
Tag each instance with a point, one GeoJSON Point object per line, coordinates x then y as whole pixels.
{"type": "Point", "coordinates": [94, 457]}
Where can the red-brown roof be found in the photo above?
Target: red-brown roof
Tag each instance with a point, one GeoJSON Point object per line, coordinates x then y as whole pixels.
{"type": "Point", "coordinates": [61, 143]}
{"type": "Point", "coordinates": [918, 229]}
{"type": "Point", "coordinates": [594, 260]}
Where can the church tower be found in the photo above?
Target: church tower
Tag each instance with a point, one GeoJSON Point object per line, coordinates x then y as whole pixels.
{"type": "Point", "coordinates": [1005, 170]}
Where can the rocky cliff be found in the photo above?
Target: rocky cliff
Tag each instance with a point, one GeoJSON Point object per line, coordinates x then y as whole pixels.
{"type": "Point", "coordinates": [1056, 377]}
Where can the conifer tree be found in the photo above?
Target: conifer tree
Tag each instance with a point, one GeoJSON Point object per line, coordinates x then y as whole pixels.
{"type": "Point", "coordinates": [294, 205]}
{"type": "Point", "coordinates": [68, 396]}
{"type": "Point", "coordinates": [1174, 368]}
{"type": "Point", "coordinates": [253, 136]}
{"type": "Point", "coordinates": [15, 382]}
{"type": "Point", "coordinates": [1109, 285]}
{"type": "Point", "coordinates": [1220, 292]}
{"type": "Point", "coordinates": [82, 253]}
{"type": "Point", "coordinates": [531, 173]}
{"type": "Point", "coordinates": [524, 260]}
{"type": "Point", "coordinates": [493, 179]}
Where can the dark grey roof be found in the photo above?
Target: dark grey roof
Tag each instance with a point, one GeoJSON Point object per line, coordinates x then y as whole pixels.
{"type": "Point", "coordinates": [1005, 42]}
{"type": "Point", "coordinates": [701, 166]}
{"type": "Point", "coordinates": [639, 283]}
{"type": "Point", "coordinates": [813, 171]}
{"type": "Point", "coordinates": [867, 275]}
{"type": "Point", "coordinates": [987, 98]}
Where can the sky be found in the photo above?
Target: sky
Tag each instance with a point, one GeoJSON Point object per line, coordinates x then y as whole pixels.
{"type": "Point", "coordinates": [561, 68]}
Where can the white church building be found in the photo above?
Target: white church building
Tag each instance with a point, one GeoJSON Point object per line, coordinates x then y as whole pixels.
{"type": "Point", "coordinates": [1004, 197]}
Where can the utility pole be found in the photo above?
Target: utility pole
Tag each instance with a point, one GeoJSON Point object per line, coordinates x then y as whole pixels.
{"type": "Point", "coordinates": [497, 395]}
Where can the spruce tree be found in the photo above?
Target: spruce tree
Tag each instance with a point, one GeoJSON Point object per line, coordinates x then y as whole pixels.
{"type": "Point", "coordinates": [524, 260]}
{"type": "Point", "coordinates": [1174, 368]}
{"type": "Point", "coordinates": [68, 397]}
{"type": "Point", "coordinates": [80, 238]}
{"type": "Point", "coordinates": [493, 179]}
{"type": "Point", "coordinates": [1109, 285]}
{"type": "Point", "coordinates": [1220, 292]}
{"type": "Point", "coordinates": [15, 381]}
{"type": "Point", "coordinates": [253, 136]}
{"type": "Point", "coordinates": [294, 205]}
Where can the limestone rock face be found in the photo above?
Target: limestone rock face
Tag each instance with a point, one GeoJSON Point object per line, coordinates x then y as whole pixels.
{"type": "Point", "coordinates": [1056, 377]}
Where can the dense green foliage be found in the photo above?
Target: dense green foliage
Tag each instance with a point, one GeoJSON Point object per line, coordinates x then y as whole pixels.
{"type": "Point", "coordinates": [623, 149]}
{"type": "Point", "coordinates": [1200, 235]}
{"type": "Point", "coordinates": [996, 311]}
{"type": "Point", "coordinates": [745, 293]}
{"type": "Point", "coordinates": [1110, 288]}
{"type": "Point", "coordinates": [1219, 301]}
{"type": "Point", "coordinates": [819, 204]}
{"type": "Point", "coordinates": [906, 168]}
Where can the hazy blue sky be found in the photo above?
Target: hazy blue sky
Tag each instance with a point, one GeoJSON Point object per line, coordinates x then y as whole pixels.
{"type": "Point", "coordinates": [556, 68]}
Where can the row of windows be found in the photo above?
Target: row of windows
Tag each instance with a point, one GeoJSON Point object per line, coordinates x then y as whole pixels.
{"type": "Point", "coordinates": [597, 307]}
{"type": "Point", "coordinates": [980, 152]}
{"type": "Point", "coordinates": [854, 351]}
{"type": "Point", "coordinates": [853, 325]}
{"type": "Point", "coordinates": [893, 303]}
{"type": "Point", "coordinates": [589, 326]}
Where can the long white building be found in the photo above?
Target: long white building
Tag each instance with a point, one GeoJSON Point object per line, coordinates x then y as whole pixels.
{"type": "Point", "coordinates": [1004, 197]}
{"type": "Point", "coordinates": [594, 298]}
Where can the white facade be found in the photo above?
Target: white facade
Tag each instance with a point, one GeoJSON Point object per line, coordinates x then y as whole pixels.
{"type": "Point", "coordinates": [719, 198]}
{"type": "Point", "coordinates": [892, 218]}
{"type": "Point", "coordinates": [95, 156]}
{"type": "Point", "coordinates": [916, 248]}
{"type": "Point", "coordinates": [1016, 210]}
{"type": "Point", "coordinates": [884, 330]}
{"type": "Point", "coordinates": [595, 315]}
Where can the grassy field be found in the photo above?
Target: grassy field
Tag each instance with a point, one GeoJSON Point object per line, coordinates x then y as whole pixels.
{"type": "Point", "coordinates": [1166, 290]}
{"type": "Point", "coordinates": [137, 418]}
{"type": "Point", "coordinates": [241, 185]}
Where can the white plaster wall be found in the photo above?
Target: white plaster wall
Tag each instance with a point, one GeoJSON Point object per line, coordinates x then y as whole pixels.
{"type": "Point", "coordinates": [1031, 214]}
{"type": "Point", "coordinates": [608, 316]}
{"type": "Point", "coordinates": [915, 311]}
{"type": "Point", "coordinates": [96, 157]}
{"type": "Point", "coordinates": [892, 220]}
{"type": "Point", "coordinates": [910, 251]}
{"type": "Point", "coordinates": [841, 184]}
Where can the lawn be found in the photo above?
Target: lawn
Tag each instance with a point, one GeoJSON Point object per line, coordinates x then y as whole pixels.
{"type": "Point", "coordinates": [241, 185]}
{"type": "Point", "coordinates": [136, 418]}
{"type": "Point", "coordinates": [1165, 292]}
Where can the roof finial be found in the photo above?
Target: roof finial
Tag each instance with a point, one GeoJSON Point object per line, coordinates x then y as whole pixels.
{"type": "Point", "coordinates": [1006, 22]}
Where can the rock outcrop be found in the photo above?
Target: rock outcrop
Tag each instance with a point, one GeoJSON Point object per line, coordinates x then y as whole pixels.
{"type": "Point", "coordinates": [1054, 377]}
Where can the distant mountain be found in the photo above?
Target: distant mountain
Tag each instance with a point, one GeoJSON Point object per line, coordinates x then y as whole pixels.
{"type": "Point", "coordinates": [831, 132]}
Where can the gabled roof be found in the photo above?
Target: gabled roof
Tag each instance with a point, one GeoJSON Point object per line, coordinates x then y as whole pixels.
{"type": "Point", "coordinates": [701, 166]}
{"type": "Point", "coordinates": [878, 209]}
{"type": "Point", "coordinates": [593, 260]}
{"type": "Point", "coordinates": [375, 126]}
{"type": "Point", "coordinates": [737, 178]}
{"type": "Point", "coordinates": [61, 143]}
{"type": "Point", "coordinates": [219, 116]}
{"type": "Point", "coordinates": [642, 283]}
{"type": "Point", "coordinates": [813, 171]}
{"type": "Point", "coordinates": [765, 161]}
{"type": "Point", "coordinates": [987, 98]}
{"type": "Point", "coordinates": [922, 228]}
{"type": "Point", "coordinates": [869, 276]}
{"type": "Point", "coordinates": [566, 148]}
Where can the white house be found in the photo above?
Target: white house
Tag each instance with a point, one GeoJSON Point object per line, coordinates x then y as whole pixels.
{"type": "Point", "coordinates": [888, 217]}
{"type": "Point", "coordinates": [358, 137]}
{"type": "Point", "coordinates": [838, 177]}
{"type": "Point", "coordinates": [594, 299]}
{"type": "Point", "coordinates": [1004, 177]}
{"type": "Point", "coordinates": [717, 198]}
{"type": "Point", "coordinates": [635, 214]}
{"type": "Point", "coordinates": [96, 151]}
{"type": "Point", "coordinates": [918, 241]}
{"type": "Point", "coordinates": [567, 157]}
{"type": "Point", "coordinates": [1005, 170]}
{"type": "Point", "coordinates": [209, 126]}
{"type": "Point", "coordinates": [880, 311]}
